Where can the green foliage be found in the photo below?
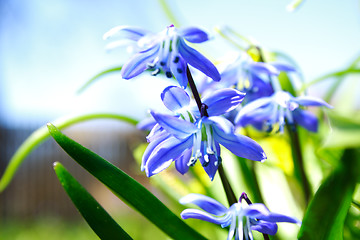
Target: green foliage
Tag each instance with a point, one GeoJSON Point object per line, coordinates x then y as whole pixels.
{"type": "Point", "coordinates": [96, 216]}
{"type": "Point", "coordinates": [325, 216]}
{"type": "Point", "coordinates": [126, 188]}
{"type": "Point", "coordinates": [41, 134]}
{"type": "Point", "coordinates": [97, 76]}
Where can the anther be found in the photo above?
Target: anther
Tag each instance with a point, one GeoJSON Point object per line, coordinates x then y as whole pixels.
{"type": "Point", "coordinates": [179, 70]}
{"type": "Point", "coordinates": [176, 59]}
{"type": "Point", "coordinates": [168, 74]}
{"type": "Point", "coordinates": [207, 160]}
{"type": "Point", "coordinates": [162, 63]}
{"type": "Point", "coordinates": [192, 162]}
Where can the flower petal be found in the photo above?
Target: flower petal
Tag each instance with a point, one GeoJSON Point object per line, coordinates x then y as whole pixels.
{"type": "Point", "coordinates": [283, 67]}
{"type": "Point", "coordinates": [133, 33]}
{"type": "Point", "coordinates": [150, 148]}
{"type": "Point", "coordinates": [252, 106]}
{"type": "Point", "coordinates": [179, 71]}
{"type": "Point", "coordinates": [206, 203]}
{"type": "Point", "coordinates": [198, 214]}
{"type": "Point", "coordinates": [166, 152]}
{"type": "Point", "coordinates": [265, 227]}
{"type": "Point", "coordinates": [146, 124]}
{"type": "Point", "coordinates": [223, 101]}
{"type": "Point", "coordinates": [139, 62]}
{"type": "Point", "coordinates": [261, 212]}
{"type": "Point", "coordinates": [261, 67]}
{"type": "Point", "coordinates": [175, 126]}
{"type": "Point", "coordinates": [306, 119]}
{"type": "Point", "coordinates": [198, 61]}
{"type": "Point", "coordinates": [311, 101]}
{"type": "Point", "coordinates": [181, 163]}
{"type": "Point", "coordinates": [193, 34]}
{"type": "Point", "coordinates": [175, 98]}
{"type": "Point", "coordinates": [239, 145]}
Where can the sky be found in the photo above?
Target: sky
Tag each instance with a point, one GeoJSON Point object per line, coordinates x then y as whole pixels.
{"type": "Point", "coordinates": [49, 49]}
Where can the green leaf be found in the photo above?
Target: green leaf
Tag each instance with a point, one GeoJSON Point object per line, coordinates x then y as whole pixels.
{"type": "Point", "coordinates": [345, 132]}
{"type": "Point", "coordinates": [97, 76]}
{"type": "Point", "coordinates": [41, 134]}
{"type": "Point", "coordinates": [325, 216]}
{"type": "Point", "coordinates": [94, 214]}
{"type": "Point", "coordinates": [126, 188]}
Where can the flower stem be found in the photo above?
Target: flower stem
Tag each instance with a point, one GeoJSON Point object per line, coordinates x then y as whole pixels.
{"type": "Point", "coordinates": [230, 195]}
{"type": "Point", "coordinates": [202, 108]}
{"type": "Point", "coordinates": [298, 161]}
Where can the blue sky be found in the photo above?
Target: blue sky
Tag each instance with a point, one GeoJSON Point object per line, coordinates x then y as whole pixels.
{"type": "Point", "coordinates": [48, 49]}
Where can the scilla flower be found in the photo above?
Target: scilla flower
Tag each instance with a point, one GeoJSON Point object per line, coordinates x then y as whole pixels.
{"type": "Point", "coordinates": [241, 71]}
{"type": "Point", "coordinates": [281, 106]}
{"type": "Point", "coordinates": [186, 136]}
{"type": "Point", "coordinates": [241, 218]}
{"type": "Point", "coordinates": [166, 51]}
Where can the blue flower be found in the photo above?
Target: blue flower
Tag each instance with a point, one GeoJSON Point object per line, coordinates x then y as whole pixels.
{"type": "Point", "coordinates": [251, 77]}
{"type": "Point", "coordinates": [241, 218]}
{"type": "Point", "coordinates": [188, 137]}
{"type": "Point", "coordinates": [165, 51]}
{"type": "Point", "coordinates": [281, 106]}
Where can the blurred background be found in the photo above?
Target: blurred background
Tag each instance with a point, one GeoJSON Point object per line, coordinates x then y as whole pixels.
{"type": "Point", "coordinates": [50, 49]}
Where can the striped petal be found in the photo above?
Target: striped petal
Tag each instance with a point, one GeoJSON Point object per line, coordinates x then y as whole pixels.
{"type": "Point", "coordinates": [198, 214]}
{"type": "Point", "coordinates": [175, 126]}
{"type": "Point", "coordinates": [260, 212]}
{"type": "Point", "coordinates": [240, 145]}
{"type": "Point", "coordinates": [311, 101]}
{"type": "Point", "coordinates": [204, 202]}
{"type": "Point", "coordinates": [198, 61]}
{"type": "Point", "coordinates": [181, 163]}
{"type": "Point", "coordinates": [133, 33]}
{"type": "Point", "coordinates": [139, 62]}
{"type": "Point", "coordinates": [165, 153]}
{"type": "Point", "coordinates": [223, 101]}
{"type": "Point", "coordinates": [193, 34]}
{"type": "Point", "coordinates": [175, 98]}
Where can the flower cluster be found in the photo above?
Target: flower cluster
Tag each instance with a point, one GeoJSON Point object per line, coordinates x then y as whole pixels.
{"type": "Point", "coordinates": [187, 136]}
{"type": "Point", "coordinates": [249, 93]}
{"type": "Point", "coordinates": [241, 218]}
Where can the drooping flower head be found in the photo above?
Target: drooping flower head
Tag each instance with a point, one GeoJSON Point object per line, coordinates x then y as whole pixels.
{"type": "Point", "coordinates": [187, 136]}
{"type": "Point", "coordinates": [241, 218]}
{"type": "Point", "coordinates": [165, 51]}
{"type": "Point", "coordinates": [266, 112]}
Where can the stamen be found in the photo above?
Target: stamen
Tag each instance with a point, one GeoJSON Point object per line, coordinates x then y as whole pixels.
{"type": "Point", "coordinates": [207, 160]}
{"type": "Point", "coordinates": [191, 162]}
{"type": "Point", "coordinates": [179, 70]}
{"type": "Point", "coordinates": [156, 72]}
{"type": "Point", "coordinates": [151, 65]}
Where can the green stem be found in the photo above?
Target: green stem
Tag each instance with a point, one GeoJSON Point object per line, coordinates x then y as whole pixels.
{"type": "Point", "coordinates": [169, 14]}
{"type": "Point", "coordinates": [41, 134]}
{"type": "Point", "coordinates": [298, 161]}
{"type": "Point", "coordinates": [230, 195]}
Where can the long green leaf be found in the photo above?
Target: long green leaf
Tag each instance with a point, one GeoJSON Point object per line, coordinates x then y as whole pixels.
{"type": "Point", "coordinates": [325, 216]}
{"type": "Point", "coordinates": [97, 76]}
{"type": "Point", "coordinates": [331, 75]}
{"type": "Point", "coordinates": [126, 188]}
{"type": "Point", "coordinates": [41, 134]}
{"type": "Point", "coordinates": [94, 214]}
